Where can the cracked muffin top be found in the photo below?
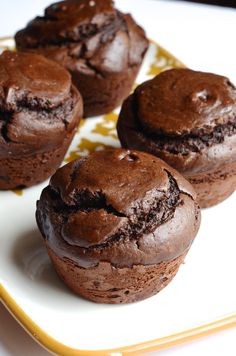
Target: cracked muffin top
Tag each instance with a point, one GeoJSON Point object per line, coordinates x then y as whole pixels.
{"type": "Point", "coordinates": [185, 117]}
{"type": "Point", "coordinates": [182, 101]}
{"type": "Point", "coordinates": [37, 103]}
{"type": "Point", "coordinates": [90, 36]}
{"type": "Point", "coordinates": [120, 206]}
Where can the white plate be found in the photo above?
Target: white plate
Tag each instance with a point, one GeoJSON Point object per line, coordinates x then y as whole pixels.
{"type": "Point", "coordinates": [201, 299]}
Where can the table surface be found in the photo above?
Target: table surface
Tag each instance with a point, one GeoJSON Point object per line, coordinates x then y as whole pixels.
{"type": "Point", "coordinates": [202, 37]}
{"type": "Point", "coordinates": [230, 3]}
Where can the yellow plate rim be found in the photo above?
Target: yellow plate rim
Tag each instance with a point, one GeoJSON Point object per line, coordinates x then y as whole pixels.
{"type": "Point", "coordinates": [57, 347]}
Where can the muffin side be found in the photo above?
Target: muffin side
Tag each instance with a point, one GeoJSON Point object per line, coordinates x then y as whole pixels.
{"type": "Point", "coordinates": [113, 285]}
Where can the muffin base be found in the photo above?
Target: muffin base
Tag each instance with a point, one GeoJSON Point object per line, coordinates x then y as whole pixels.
{"type": "Point", "coordinates": [102, 94]}
{"type": "Point", "coordinates": [111, 285]}
{"type": "Point", "coordinates": [26, 171]}
{"type": "Point", "coordinates": [213, 188]}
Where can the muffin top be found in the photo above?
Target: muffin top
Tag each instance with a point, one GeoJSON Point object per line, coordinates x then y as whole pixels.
{"type": "Point", "coordinates": [118, 206]}
{"type": "Point", "coordinates": [186, 118]}
{"type": "Point", "coordinates": [92, 32]}
{"type": "Point", "coordinates": [33, 80]}
{"type": "Point", "coordinates": [37, 103]}
{"type": "Point", "coordinates": [182, 101]}
{"type": "Point", "coordinates": [71, 20]}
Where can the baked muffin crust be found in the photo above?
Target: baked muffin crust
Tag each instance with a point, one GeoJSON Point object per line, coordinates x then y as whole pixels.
{"type": "Point", "coordinates": [101, 47]}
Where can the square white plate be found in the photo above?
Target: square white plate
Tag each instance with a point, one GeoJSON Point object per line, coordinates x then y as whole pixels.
{"type": "Point", "coordinates": [201, 299]}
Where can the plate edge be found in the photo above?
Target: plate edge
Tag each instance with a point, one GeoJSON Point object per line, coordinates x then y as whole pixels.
{"type": "Point", "coordinates": [56, 347]}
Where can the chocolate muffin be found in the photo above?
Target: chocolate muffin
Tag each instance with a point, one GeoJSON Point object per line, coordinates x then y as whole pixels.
{"type": "Point", "coordinates": [39, 113]}
{"type": "Point", "coordinates": [117, 224]}
{"type": "Point", "coordinates": [188, 119]}
{"type": "Point", "coordinates": [100, 46]}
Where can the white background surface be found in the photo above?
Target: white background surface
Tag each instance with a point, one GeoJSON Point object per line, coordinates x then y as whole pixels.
{"type": "Point", "coordinates": [204, 38]}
